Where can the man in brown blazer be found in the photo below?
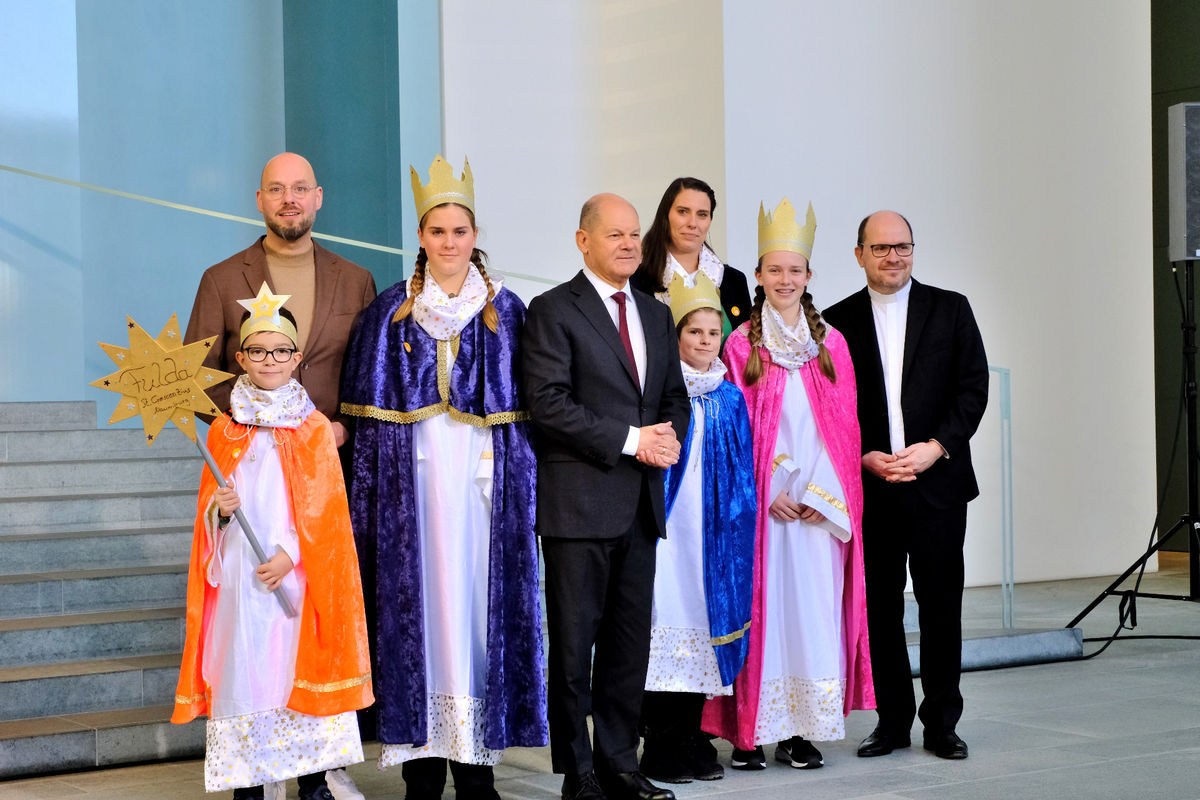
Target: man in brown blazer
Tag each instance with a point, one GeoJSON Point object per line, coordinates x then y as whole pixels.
{"type": "Point", "coordinates": [327, 291]}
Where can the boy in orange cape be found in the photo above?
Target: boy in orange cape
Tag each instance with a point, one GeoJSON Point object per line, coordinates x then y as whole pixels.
{"type": "Point", "coordinates": [280, 693]}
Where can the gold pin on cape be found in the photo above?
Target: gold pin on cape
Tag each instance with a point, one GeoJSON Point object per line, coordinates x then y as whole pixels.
{"type": "Point", "coordinates": [407, 347]}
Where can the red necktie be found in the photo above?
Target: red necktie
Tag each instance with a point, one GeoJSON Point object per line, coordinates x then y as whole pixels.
{"type": "Point", "coordinates": [619, 297]}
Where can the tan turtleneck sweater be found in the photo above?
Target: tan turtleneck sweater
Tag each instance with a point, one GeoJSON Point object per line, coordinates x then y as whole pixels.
{"type": "Point", "coordinates": [295, 275]}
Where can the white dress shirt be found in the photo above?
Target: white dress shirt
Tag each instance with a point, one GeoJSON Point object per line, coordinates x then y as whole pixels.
{"type": "Point", "coordinates": [637, 337]}
{"type": "Point", "coordinates": [891, 322]}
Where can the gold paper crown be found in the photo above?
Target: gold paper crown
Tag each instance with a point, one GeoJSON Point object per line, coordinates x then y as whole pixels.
{"type": "Point", "coordinates": [265, 316]}
{"type": "Point", "coordinates": [684, 300]}
{"type": "Point", "coordinates": [443, 187]}
{"type": "Point", "coordinates": [780, 231]}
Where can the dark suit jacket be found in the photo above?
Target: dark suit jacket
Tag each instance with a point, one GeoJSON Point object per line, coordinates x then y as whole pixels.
{"type": "Point", "coordinates": [342, 290]}
{"type": "Point", "coordinates": [583, 398]}
{"type": "Point", "coordinates": [944, 385]}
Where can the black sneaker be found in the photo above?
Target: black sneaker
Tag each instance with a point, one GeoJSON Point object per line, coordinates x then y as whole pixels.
{"type": "Point", "coordinates": [316, 793]}
{"type": "Point", "coordinates": [749, 759]}
{"type": "Point", "coordinates": [799, 753]}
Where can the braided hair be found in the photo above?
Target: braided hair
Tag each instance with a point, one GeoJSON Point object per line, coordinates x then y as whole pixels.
{"type": "Point", "coordinates": [816, 326]}
{"type": "Point", "coordinates": [478, 258]}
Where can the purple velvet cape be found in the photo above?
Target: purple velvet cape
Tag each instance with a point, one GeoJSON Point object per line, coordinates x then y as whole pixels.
{"type": "Point", "coordinates": [392, 372]}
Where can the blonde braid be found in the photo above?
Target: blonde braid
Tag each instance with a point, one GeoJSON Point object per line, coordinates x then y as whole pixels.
{"type": "Point", "coordinates": [490, 317]}
{"type": "Point", "coordinates": [754, 366]}
{"type": "Point", "coordinates": [816, 326]}
{"type": "Point", "coordinates": [418, 283]}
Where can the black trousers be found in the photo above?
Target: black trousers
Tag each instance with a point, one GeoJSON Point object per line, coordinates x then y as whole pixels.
{"type": "Point", "coordinates": [598, 594]}
{"type": "Point", "coordinates": [672, 719]}
{"type": "Point", "coordinates": [900, 527]}
{"type": "Point", "coordinates": [425, 779]}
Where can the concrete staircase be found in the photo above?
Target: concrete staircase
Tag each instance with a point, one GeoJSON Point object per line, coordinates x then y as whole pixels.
{"type": "Point", "coordinates": [95, 530]}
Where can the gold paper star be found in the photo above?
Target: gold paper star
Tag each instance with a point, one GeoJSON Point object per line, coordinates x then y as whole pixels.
{"type": "Point", "coordinates": [160, 380]}
{"type": "Point", "coordinates": [265, 304]}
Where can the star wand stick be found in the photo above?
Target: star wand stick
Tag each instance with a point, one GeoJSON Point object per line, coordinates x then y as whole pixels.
{"type": "Point", "coordinates": [164, 381]}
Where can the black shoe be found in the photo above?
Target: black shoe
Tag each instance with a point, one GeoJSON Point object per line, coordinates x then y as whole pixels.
{"type": "Point", "coordinates": [880, 743]}
{"type": "Point", "coordinates": [664, 760]}
{"type": "Point", "coordinates": [249, 793]}
{"type": "Point", "coordinates": [701, 757]}
{"type": "Point", "coordinates": [749, 759]}
{"type": "Point", "coordinates": [799, 753]}
{"type": "Point", "coordinates": [946, 745]}
{"type": "Point", "coordinates": [485, 793]}
{"type": "Point", "coordinates": [582, 787]}
{"type": "Point", "coordinates": [317, 793]}
{"type": "Point", "coordinates": [633, 786]}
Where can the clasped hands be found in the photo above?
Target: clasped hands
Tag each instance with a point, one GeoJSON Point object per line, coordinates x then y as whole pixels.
{"type": "Point", "coordinates": [785, 509]}
{"type": "Point", "coordinates": [657, 445]}
{"type": "Point", "coordinates": [905, 465]}
{"type": "Point", "coordinates": [277, 566]}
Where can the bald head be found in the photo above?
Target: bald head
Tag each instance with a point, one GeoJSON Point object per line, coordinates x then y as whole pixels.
{"type": "Point", "coordinates": [288, 165]}
{"type": "Point", "coordinates": [889, 215]}
{"type": "Point", "coordinates": [601, 203]}
{"type": "Point", "coordinates": [609, 237]}
{"type": "Point", "coordinates": [888, 231]}
{"type": "Point", "coordinates": [288, 197]}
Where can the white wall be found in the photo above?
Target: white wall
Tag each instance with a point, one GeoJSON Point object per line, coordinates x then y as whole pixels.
{"type": "Point", "coordinates": [1016, 138]}
{"type": "Point", "coordinates": [1014, 135]}
{"type": "Point", "coordinates": [554, 102]}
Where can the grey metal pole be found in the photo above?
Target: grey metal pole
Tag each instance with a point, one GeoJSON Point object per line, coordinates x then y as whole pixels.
{"type": "Point", "coordinates": [284, 603]}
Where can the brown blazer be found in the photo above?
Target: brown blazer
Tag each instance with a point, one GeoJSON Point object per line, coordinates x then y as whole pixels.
{"type": "Point", "coordinates": [342, 290]}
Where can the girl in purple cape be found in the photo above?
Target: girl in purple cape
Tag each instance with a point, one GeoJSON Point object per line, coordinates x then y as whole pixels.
{"type": "Point", "coordinates": [442, 501]}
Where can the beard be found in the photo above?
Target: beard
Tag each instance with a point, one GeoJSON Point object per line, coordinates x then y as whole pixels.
{"type": "Point", "coordinates": [293, 232]}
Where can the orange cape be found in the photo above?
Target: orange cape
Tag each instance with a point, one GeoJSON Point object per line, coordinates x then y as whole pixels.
{"type": "Point", "coordinates": [333, 666]}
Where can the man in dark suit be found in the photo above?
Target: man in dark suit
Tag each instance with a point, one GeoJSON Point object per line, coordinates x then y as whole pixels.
{"type": "Point", "coordinates": [601, 379]}
{"type": "Point", "coordinates": [922, 387]}
{"type": "Point", "coordinates": [327, 291]}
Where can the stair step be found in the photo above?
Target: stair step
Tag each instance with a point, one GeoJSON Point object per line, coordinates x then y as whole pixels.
{"type": "Point", "coordinates": [80, 637]}
{"type": "Point", "coordinates": [29, 508]}
{"type": "Point", "coordinates": [130, 474]}
{"type": "Point", "coordinates": [106, 443]}
{"type": "Point", "coordinates": [87, 590]}
{"type": "Point", "coordinates": [82, 686]}
{"type": "Point", "coordinates": [48, 416]}
{"type": "Point", "coordinates": [67, 547]}
{"type": "Point", "coordinates": [98, 739]}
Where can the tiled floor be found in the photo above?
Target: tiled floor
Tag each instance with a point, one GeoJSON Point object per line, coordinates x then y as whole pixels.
{"type": "Point", "coordinates": [1123, 725]}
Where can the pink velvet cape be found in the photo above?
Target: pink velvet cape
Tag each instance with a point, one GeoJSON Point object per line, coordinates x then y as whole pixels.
{"type": "Point", "coordinates": [835, 408]}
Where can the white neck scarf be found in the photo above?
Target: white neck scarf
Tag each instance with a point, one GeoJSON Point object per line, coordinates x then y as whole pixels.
{"type": "Point", "coordinates": [443, 317]}
{"type": "Point", "coordinates": [703, 381]}
{"type": "Point", "coordinates": [791, 348]}
{"type": "Point", "coordinates": [710, 265]}
{"type": "Point", "coordinates": [285, 407]}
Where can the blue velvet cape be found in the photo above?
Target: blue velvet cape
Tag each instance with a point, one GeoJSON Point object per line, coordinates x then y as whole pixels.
{"type": "Point", "coordinates": [730, 514]}
{"type": "Point", "coordinates": [396, 374]}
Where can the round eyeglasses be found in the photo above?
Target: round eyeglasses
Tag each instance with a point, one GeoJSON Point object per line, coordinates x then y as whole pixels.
{"type": "Point", "coordinates": [276, 191]}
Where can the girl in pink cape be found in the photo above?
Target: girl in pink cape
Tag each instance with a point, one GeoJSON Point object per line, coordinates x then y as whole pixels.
{"type": "Point", "coordinates": [809, 662]}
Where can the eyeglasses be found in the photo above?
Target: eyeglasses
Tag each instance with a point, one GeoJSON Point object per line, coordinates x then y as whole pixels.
{"type": "Point", "coordinates": [277, 191]}
{"type": "Point", "coordinates": [280, 354]}
{"type": "Point", "coordinates": [880, 250]}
